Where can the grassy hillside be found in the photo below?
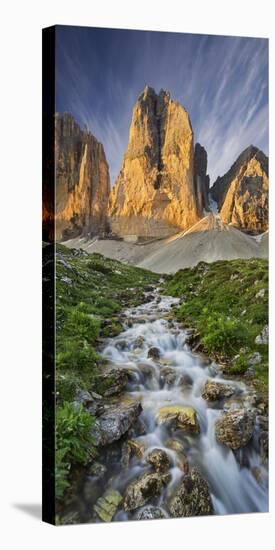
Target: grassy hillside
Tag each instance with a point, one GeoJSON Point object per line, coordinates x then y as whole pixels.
{"type": "Point", "coordinates": [91, 291]}
{"type": "Point", "coordinates": [227, 303]}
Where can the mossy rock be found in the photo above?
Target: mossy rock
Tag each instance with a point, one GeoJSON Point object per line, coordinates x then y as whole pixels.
{"type": "Point", "coordinates": [179, 417]}
{"type": "Point", "coordinates": [107, 505]}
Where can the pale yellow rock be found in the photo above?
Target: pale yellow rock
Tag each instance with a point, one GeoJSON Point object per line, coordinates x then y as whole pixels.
{"type": "Point", "coordinates": [154, 193]}
{"type": "Point", "coordinates": [82, 184]}
{"type": "Point", "coordinates": [180, 417]}
{"type": "Point", "coordinates": [242, 193]}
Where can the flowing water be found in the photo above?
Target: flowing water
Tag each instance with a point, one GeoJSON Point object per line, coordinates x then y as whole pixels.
{"type": "Point", "coordinates": [233, 486]}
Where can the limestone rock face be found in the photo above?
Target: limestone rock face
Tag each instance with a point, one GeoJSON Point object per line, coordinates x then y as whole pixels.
{"type": "Point", "coordinates": [154, 193]}
{"type": "Point", "coordinates": [179, 417]}
{"type": "Point", "coordinates": [192, 497]}
{"type": "Point", "coordinates": [235, 428]}
{"type": "Point", "coordinates": [242, 193]}
{"type": "Point", "coordinates": [201, 179]}
{"type": "Point", "coordinates": [82, 180]}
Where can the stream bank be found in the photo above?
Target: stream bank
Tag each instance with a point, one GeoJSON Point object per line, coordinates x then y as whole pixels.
{"type": "Point", "coordinates": [174, 437]}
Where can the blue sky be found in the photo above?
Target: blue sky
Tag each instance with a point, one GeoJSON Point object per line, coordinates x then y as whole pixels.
{"type": "Point", "coordinates": [221, 81]}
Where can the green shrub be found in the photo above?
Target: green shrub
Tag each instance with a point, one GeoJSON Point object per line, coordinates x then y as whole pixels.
{"type": "Point", "coordinates": [239, 366]}
{"type": "Point", "coordinates": [74, 443]}
{"type": "Point", "coordinates": [81, 324]}
{"type": "Point", "coordinates": [76, 355]}
{"type": "Point", "coordinates": [224, 335]}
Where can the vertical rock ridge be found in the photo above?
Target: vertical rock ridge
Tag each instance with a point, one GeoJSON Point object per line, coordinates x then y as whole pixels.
{"type": "Point", "coordinates": [154, 194]}
{"type": "Point", "coordinates": [82, 180]}
{"type": "Point", "coordinates": [242, 193]}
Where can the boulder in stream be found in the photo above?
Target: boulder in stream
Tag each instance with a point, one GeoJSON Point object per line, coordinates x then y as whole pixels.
{"type": "Point", "coordinates": [154, 353]}
{"type": "Point", "coordinates": [115, 422]}
{"type": "Point", "coordinates": [151, 512]}
{"type": "Point", "coordinates": [159, 459]}
{"type": "Point", "coordinates": [192, 497]}
{"type": "Point", "coordinates": [179, 417]}
{"type": "Point", "coordinates": [167, 375]}
{"type": "Point", "coordinates": [143, 489]}
{"type": "Point", "coordinates": [234, 428]}
{"type": "Point", "coordinates": [111, 382]}
{"type": "Point", "coordinates": [107, 505]}
{"type": "Point", "coordinates": [214, 391]}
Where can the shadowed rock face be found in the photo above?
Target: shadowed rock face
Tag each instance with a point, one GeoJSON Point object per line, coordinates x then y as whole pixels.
{"type": "Point", "coordinates": [82, 180]}
{"type": "Point", "coordinates": [201, 179]}
{"type": "Point", "coordinates": [242, 193]}
{"type": "Point", "coordinates": [154, 193]}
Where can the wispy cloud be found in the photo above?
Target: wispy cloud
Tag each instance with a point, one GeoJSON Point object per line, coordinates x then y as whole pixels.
{"type": "Point", "coordinates": [222, 82]}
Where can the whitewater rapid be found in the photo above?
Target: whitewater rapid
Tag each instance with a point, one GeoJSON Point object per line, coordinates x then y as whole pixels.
{"type": "Point", "coordinates": [232, 484]}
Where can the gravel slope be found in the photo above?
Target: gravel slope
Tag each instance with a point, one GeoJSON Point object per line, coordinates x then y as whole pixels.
{"type": "Point", "coordinates": [208, 240]}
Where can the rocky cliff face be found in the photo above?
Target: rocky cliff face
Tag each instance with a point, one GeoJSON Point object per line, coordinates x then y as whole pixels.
{"type": "Point", "coordinates": [154, 193]}
{"type": "Point", "coordinates": [242, 193]}
{"type": "Point", "coordinates": [82, 180]}
{"type": "Point", "coordinates": [201, 179]}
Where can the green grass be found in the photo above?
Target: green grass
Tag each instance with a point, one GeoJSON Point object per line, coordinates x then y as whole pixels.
{"type": "Point", "coordinates": [221, 300]}
{"type": "Point", "coordinates": [91, 291]}
{"type": "Point", "coordinates": [74, 444]}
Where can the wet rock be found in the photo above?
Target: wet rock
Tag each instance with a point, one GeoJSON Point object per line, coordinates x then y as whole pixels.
{"type": "Point", "coordinates": [262, 424]}
{"type": "Point", "coordinates": [125, 455]}
{"type": "Point", "coordinates": [165, 362]}
{"type": "Point", "coordinates": [137, 429]}
{"type": "Point", "coordinates": [214, 391]}
{"type": "Point", "coordinates": [115, 422]}
{"type": "Point", "coordinates": [192, 497]}
{"type": "Point", "coordinates": [175, 445]}
{"type": "Point", "coordinates": [159, 459]}
{"type": "Point", "coordinates": [154, 353]}
{"type": "Point", "coordinates": [254, 359]}
{"type": "Point", "coordinates": [137, 447]}
{"type": "Point", "coordinates": [143, 489]}
{"type": "Point", "coordinates": [112, 382]}
{"type": "Point", "coordinates": [139, 342]}
{"type": "Point", "coordinates": [262, 338]}
{"type": "Point", "coordinates": [107, 505]}
{"type": "Point", "coordinates": [257, 473]}
{"type": "Point", "coordinates": [151, 512]}
{"type": "Point", "coordinates": [185, 381]}
{"type": "Point", "coordinates": [147, 370]}
{"type": "Point", "coordinates": [167, 375]}
{"type": "Point", "coordinates": [179, 417]}
{"type": "Point", "coordinates": [148, 298]}
{"type": "Point", "coordinates": [235, 428]}
{"type": "Point", "coordinates": [122, 345]}
{"type": "Point", "coordinates": [96, 470]}
{"type": "Point", "coordinates": [250, 373]}
{"type": "Point", "coordinates": [182, 463]}
{"type": "Point", "coordinates": [90, 400]}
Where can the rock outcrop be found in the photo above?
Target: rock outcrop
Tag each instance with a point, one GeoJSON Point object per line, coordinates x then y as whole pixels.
{"type": "Point", "coordinates": [234, 429]}
{"type": "Point", "coordinates": [143, 489]}
{"type": "Point", "coordinates": [214, 391]}
{"type": "Point", "coordinates": [82, 180]}
{"type": "Point", "coordinates": [179, 417]}
{"type": "Point", "coordinates": [115, 422]}
{"type": "Point", "coordinates": [154, 194]}
{"type": "Point", "coordinates": [201, 178]}
{"type": "Point", "coordinates": [242, 193]}
{"type": "Point", "coordinates": [192, 497]}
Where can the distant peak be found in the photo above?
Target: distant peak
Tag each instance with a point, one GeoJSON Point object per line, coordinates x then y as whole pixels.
{"type": "Point", "coordinates": [150, 92]}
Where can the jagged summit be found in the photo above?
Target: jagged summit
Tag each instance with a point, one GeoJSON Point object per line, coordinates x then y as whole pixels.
{"type": "Point", "coordinates": [82, 180]}
{"type": "Point", "coordinates": [154, 194]}
{"type": "Point", "coordinates": [242, 193]}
